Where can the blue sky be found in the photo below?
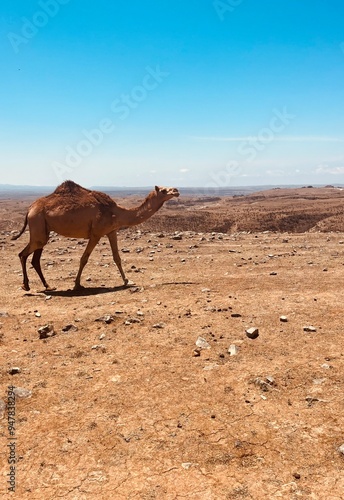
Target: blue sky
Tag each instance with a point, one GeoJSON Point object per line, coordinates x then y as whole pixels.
{"type": "Point", "coordinates": [183, 93]}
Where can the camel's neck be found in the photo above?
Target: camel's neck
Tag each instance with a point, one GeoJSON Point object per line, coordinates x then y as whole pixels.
{"type": "Point", "coordinates": [137, 215]}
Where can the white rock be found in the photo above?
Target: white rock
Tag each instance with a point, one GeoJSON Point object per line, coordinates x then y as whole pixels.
{"type": "Point", "coordinates": [20, 392]}
{"type": "Point", "coordinates": [187, 465]}
{"type": "Point", "coordinates": [202, 343]}
{"type": "Point", "coordinates": [233, 350]}
{"type": "Point", "coordinates": [341, 449]}
{"type": "Point", "coordinates": [309, 329]}
{"type": "Point", "coordinates": [252, 333]}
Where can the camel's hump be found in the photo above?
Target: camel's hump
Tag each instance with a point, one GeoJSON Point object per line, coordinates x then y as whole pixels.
{"type": "Point", "coordinates": [69, 187]}
{"type": "Point", "coordinates": [73, 191]}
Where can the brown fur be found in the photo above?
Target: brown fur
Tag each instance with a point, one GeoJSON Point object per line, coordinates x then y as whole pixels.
{"type": "Point", "coordinates": [77, 212]}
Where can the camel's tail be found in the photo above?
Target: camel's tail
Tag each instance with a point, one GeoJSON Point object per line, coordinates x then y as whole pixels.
{"type": "Point", "coordinates": [22, 230]}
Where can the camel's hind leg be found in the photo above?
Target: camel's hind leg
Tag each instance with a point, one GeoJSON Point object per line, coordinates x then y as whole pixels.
{"type": "Point", "coordinates": [23, 256]}
{"type": "Point", "coordinates": [84, 258]}
{"type": "Point", "coordinates": [36, 262]}
{"type": "Point", "coordinates": [116, 257]}
{"type": "Point", "coordinates": [38, 239]}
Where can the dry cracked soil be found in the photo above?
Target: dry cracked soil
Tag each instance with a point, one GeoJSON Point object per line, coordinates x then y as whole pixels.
{"type": "Point", "coordinates": [119, 401]}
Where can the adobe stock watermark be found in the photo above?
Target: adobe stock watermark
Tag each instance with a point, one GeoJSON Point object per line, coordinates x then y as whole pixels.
{"type": "Point", "coordinates": [222, 7]}
{"type": "Point", "coordinates": [250, 147]}
{"type": "Point", "coordinates": [122, 106]}
{"type": "Point", "coordinates": [30, 27]}
{"type": "Point", "coordinates": [11, 445]}
{"type": "Point", "coordinates": [223, 178]}
{"type": "Point", "coordinates": [277, 124]}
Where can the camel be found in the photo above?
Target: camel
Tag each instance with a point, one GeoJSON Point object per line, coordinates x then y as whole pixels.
{"type": "Point", "coordinates": [76, 212]}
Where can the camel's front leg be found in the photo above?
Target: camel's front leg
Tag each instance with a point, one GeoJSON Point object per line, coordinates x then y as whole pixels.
{"type": "Point", "coordinates": [117, 259]}
{"type": "Point", "coordinates": [84, 258]}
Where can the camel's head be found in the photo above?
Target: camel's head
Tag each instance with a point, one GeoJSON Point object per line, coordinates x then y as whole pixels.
{"type": "Point", "coordinates": [165, 193]}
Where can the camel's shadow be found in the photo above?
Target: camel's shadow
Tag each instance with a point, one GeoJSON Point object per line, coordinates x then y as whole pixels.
{"type": "Point", "coordinates": [84, 292]}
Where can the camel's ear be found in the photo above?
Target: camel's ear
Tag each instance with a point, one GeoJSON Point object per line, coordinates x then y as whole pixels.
{"type": "Point", "coordinates": [157, 189]}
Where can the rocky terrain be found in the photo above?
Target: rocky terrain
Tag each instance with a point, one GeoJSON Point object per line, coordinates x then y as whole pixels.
{"type": "Point", "coordinates": [158, 390]}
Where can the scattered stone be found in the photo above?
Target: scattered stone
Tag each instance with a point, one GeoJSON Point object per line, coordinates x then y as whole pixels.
{"type": "Point", "coordinates": [196, 352]}
{"type": "Point", "coordinates": [265, 383]}
{"type": "Point", "coordinates": [236, 315]}
{"type": "Point", "coordinates": [341, 449]}
{"type": "Point", "coordinates": [37, 314]}
{"type": "Point", "coordinates": [284, 319]}
{"type": "Point", "coordinates": [319, 381]}
{"type": "Point", "coordinates": [48, 297]}
{"type": "Point", "coordinates": [325, 366]}
{"type": "Point", "coordinates": [102, 336]}
{"type": "Point", "coordinates": [177, 237]}
{"type": "Point", "coordinates": [270, 380]}
{"type": "Point", "coordinates": [309, 329]}
{"type": "Point", "coordinates": [125, 250]}
{"type": "Point", "coordinates": [107, 319]}
{"type": "Point", "coordinates": [70, 328]}
{"type": "Point", "coordinates": [205, 290]}
{"type": "Point", "coordinates": [99, 347]}
{"type": "Point", "coordinates": [233, 350]}
{"type": "Point", "coordinates": [296, 475]}
{"type": "Point", "coordinates": [14, 370]}
{"type": "Point", "coordinates": [46, 331]}
{"type": "Point", "coordinates": [273, 273]}
{"type": "Point", "coordinates": [129, 321]}
{"type": "Point", "coordinates": [252, 333]}
{"type": "Point", "coordinates": [187, 465]}
{"type": "Point", "coordinates": [310, 400]}
{"type": "Point", "coordinates": [159, 325]}
{"type": "Point", "coordinates": [20, 392]}
{"type": "Point", "coordinates": [210, 366]}
{"type": "Point", "coordinates": [202, 343]}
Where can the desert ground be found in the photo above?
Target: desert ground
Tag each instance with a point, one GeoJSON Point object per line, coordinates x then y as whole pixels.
{"type": "Point", "coordinates": [154, 391]}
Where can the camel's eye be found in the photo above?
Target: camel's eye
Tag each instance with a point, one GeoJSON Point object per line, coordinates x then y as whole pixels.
{"type": "Point", "coordinates": [164, 191]}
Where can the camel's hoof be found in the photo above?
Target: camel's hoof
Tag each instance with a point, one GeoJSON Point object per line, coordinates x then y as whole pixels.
{"type": "Point", "coordinates": [25, 287]}
{"type": "Point", "coordinates": [78, 288]}
{"type": "Point", "coordinates": [50, 288]}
